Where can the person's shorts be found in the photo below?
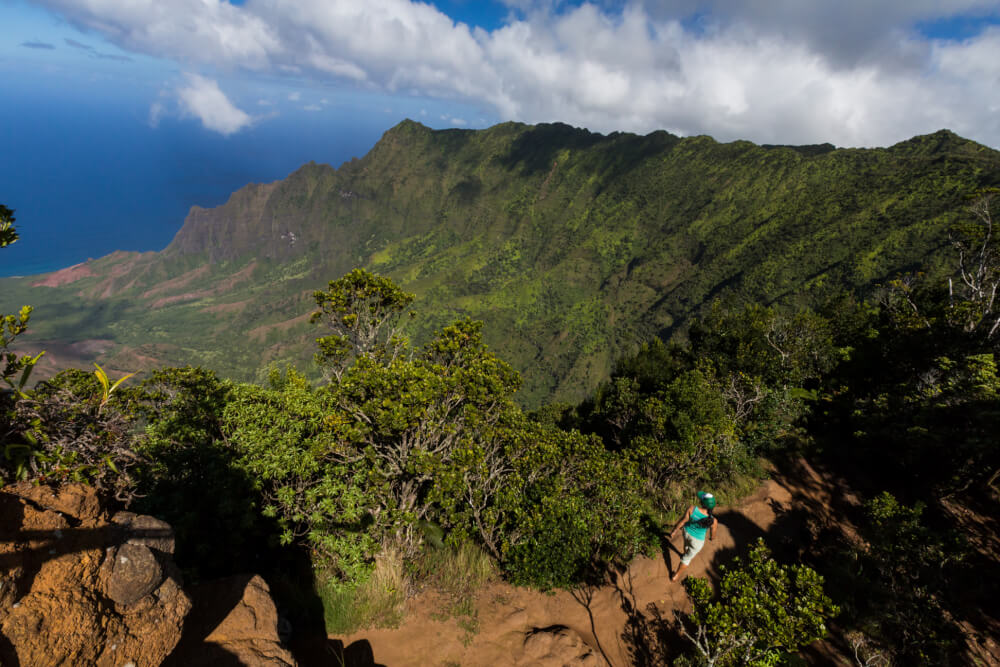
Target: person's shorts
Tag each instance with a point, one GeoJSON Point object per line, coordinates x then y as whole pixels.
{"type": "Point", "coordinates": [692, 545]}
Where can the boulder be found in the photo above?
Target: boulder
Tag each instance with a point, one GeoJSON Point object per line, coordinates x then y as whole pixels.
{"type": "Point", "coordinates": [234, 619]}
{"type": "Point", "coordinates": [145, 530]}
{"type": "Point", "coordinates": [558, 646]}
{"type": "Point", "coordinates": [74, 500]}
{"type": "Point", "coordinates": [74, 591]}
{"type": "Point", "coordinates": [135, 573]}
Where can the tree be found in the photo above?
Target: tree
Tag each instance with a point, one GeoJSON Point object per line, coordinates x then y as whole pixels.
{"type": "Point", "coordinates": [362, 311]}
{"type": "Point", "coordinates": [420, 421]}
{"type": "Point", "coordinates": [778, 348]}
{"type": "Point", "coordinates": [904, 576]}
{"type": "Point", "coordinates": [7, 232]}
{"type": "Point", "coordinates": [567, 505]}
{"type": "Point", "coordinates": [978, 270]}
{"type": "Point", "coordinates": [312, 481]}
{"type": "Point", "coordinates": [12, 326]}
{"type": "Point", "coordinates": [684, 431]}
{"type": "Point", "coordinates": [763, 610]}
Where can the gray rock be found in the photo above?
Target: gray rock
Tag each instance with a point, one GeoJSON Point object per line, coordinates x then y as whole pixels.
{"type": "Point", "coordinates": [146, 530]}
{"type": "Point", "coordinates": [135, 574]}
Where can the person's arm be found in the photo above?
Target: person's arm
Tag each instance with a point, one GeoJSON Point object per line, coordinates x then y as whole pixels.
{"type": "Point", "coordinates": [711, 531]}
{"type": "Point", "coordinates": [681, 521]}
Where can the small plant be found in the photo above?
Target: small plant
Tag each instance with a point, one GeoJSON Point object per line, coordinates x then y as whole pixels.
{"type": "Point", "coordinates": [376, 602]}
{"type": "Point", "coordinates": [106, 385]}
{"type": "Point", "coordinates": [62, 431]}
{"type": "Point", "coordinates": [470, 626]}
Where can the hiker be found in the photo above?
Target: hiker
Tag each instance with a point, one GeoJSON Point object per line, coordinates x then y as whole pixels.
{"type": "Point", "coordinates": [696, 521]}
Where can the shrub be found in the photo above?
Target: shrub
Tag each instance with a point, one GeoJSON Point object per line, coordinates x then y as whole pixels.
{"type": "Point", "coordinates": [763, 610]}
{"type": "Point", "coordinates": [69, 429]}
{"type": "Point", "coordinates": [568, 505]}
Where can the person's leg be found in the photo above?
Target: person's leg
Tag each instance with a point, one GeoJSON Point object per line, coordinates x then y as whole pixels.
{"type": "Point", "coordinates": [691, 548]}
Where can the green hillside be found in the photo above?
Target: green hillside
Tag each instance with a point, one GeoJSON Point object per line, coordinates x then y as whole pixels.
{"type": "Point", "coordinates": [573, 247]}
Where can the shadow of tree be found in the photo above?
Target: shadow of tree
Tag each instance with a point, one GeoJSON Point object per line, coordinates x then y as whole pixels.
{"type": "Point", "coordinates": [649, 638]}
{"type": "Point", "coordinates": [357, 654]}
{"type": "Point", "coordinates": [584, 595]}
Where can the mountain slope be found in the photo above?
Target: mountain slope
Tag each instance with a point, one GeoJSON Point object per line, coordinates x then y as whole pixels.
{"type": "Point", "coordinates": [572, 246]}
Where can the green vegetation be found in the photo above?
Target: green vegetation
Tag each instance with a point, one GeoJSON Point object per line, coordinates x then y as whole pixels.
{"type": "Point", "coordinates": [408, 454]}
{"type": "Point", "coordinates": [573, 248]}
{"type": "Point", "coordinates": [762, 612]}
{"type": "Point", "coordinates": [375, 600]}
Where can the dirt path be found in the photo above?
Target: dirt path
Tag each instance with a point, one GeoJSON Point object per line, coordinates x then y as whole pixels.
{"type": "Point", "coordinates": [625, 622]}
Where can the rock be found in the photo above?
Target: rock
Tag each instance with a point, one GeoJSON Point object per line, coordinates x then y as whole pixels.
{"type": "Point", "coordinates": [135, 573]}
{"type": "Point", "coordinates": [78, 589]}
{"type": "Point", "coordinates": [558, 646]}
{"type": "Point", "coordinates": [75, 500]}
{"type": "Point", "coordinates": [233, 617]}
{"type": "Point", "coordinates": [67, 598]}
{"type": "Point", "coordinates": [146, 530]}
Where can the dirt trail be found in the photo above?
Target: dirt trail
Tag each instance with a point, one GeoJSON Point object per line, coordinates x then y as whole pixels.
{"type": "Point", "coordinates": [625, 622]}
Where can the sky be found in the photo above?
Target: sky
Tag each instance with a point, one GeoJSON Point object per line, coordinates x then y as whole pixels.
{"type": "Point", "coordinates": [118, 115]}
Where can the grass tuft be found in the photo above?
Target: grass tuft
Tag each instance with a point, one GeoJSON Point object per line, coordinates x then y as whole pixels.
{"type": "Point", "coordinates": [377, 602]}
{"type": "Point", "coordinates": [458, 573]}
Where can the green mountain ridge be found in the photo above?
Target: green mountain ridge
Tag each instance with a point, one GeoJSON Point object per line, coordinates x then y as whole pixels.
{"type": "Point", "coordinates": [572, 246]}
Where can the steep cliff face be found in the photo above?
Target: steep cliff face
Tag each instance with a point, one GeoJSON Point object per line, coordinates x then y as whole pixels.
{"type": "Point", "coordinates": [242, 225]}
{"type": "Point", "coordinates": [573, 247]}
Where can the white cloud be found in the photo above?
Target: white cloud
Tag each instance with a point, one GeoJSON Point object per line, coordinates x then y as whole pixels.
{"type": "Point", "coordinates": [203, 99]}
{"type": "Point", "coordinates": [853, 72]}
{"type": "Point", "coordinates": [312, 107]}
{"type": "Point", "coordinates": [155, 114]}
{"type": "Point", "coordinates": [294, 97]}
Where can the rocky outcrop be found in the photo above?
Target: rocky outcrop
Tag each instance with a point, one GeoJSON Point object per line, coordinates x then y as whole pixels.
{"type": "Point", "coordinates": [80, 588]}
{"type": "Point", "coordinates": [234, 621]}
{"type": "Point", "coordinates": [558, 646]}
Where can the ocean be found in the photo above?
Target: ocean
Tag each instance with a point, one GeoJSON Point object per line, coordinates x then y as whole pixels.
{"type": "Point", "coordinates": [87, 175]}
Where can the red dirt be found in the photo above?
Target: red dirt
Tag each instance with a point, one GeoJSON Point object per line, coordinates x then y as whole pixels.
{"type": "Point", "coordinates": [65, 276]}
{"type": "Point", "coordinates": [178, 282]}
{"type": "Point", "coordinates": [232, 307]}
{"type": "Point", "coordinates": [629, 619]}
{"type": "Point", "coordinates": [221, 287]}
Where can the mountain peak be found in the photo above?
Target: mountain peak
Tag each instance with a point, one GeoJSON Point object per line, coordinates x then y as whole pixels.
{"type": "Point", "coordinates": [942, 141]}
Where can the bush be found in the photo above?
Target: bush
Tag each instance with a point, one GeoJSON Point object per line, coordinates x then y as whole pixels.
{"type": "Point", "coordinates": [70, 428]}
{"type": "Point", "coordinates": [762, 611]}
{"type": "Point", "coordinates": [569, 504]}
{"type": "Point", "coordinates": [182, 412]}
{"type": "Point", "coordinates": [905, 580]}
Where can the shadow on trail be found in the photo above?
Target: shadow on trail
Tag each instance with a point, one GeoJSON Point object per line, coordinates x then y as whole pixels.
{"type": "Point", "coordinates": [650, 638]}
{"type": "Point", "coordinates": [584, 595]}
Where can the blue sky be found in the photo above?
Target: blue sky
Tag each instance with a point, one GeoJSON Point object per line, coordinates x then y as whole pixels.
{"type": "Point", "coordinates": [118, 115]}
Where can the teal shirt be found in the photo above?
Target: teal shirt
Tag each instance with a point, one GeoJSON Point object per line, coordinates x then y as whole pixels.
{"type": "Point", "coordinates": [692, 528]}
